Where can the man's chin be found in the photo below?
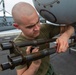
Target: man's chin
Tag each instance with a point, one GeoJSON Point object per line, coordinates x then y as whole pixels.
{"type": "Point", "coordinates": [36, 35]}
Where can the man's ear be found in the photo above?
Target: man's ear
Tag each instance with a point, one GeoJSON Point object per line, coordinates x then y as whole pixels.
{"type": "Point", "coordinates": [16, 25]}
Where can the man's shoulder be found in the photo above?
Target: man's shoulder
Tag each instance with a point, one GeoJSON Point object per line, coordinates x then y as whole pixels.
{"type": "Point", "coordinates": [46, 25]}
{"type": "Point", "coordinates": [19, 38]}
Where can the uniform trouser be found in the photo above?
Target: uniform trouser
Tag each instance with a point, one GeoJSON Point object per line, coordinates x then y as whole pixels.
{"type": "Point", "coordinates": [50, 71]}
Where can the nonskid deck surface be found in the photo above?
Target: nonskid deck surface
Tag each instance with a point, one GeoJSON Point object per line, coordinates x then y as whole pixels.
{"type": "Point", "coordinates": [64, 63]}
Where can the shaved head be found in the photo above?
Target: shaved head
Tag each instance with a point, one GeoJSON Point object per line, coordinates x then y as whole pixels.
{"type": "Point", "coordinates": [22, 9]}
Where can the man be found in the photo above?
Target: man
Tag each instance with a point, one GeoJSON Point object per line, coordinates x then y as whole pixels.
{"type": "Point", "coordinates": [27, 20]}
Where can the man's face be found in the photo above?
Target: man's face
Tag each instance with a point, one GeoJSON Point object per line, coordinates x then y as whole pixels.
{"type": "Point", "coordinates": [31, 26]}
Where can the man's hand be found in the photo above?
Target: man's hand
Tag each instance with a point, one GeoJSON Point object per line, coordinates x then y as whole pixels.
{"type": "Point", "coordinates": [33, 68]}
{"type": "Point", "coordinates": [28, 51]}
{"type": "Point", "coordinates": [62, 43]}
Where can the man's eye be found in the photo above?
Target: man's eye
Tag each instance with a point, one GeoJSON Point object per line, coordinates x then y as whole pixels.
{"type": "Point", "coordinates": [30, 26]}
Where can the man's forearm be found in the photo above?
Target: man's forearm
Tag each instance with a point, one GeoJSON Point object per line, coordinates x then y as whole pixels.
{"type": "Point", "coordinates": [68, 31]}
{"type": "Point", "coordinates": [31, 70]}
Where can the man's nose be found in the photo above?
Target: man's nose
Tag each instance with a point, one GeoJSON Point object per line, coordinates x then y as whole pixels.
{"type": "Point", "coordinates": [37, 27]}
